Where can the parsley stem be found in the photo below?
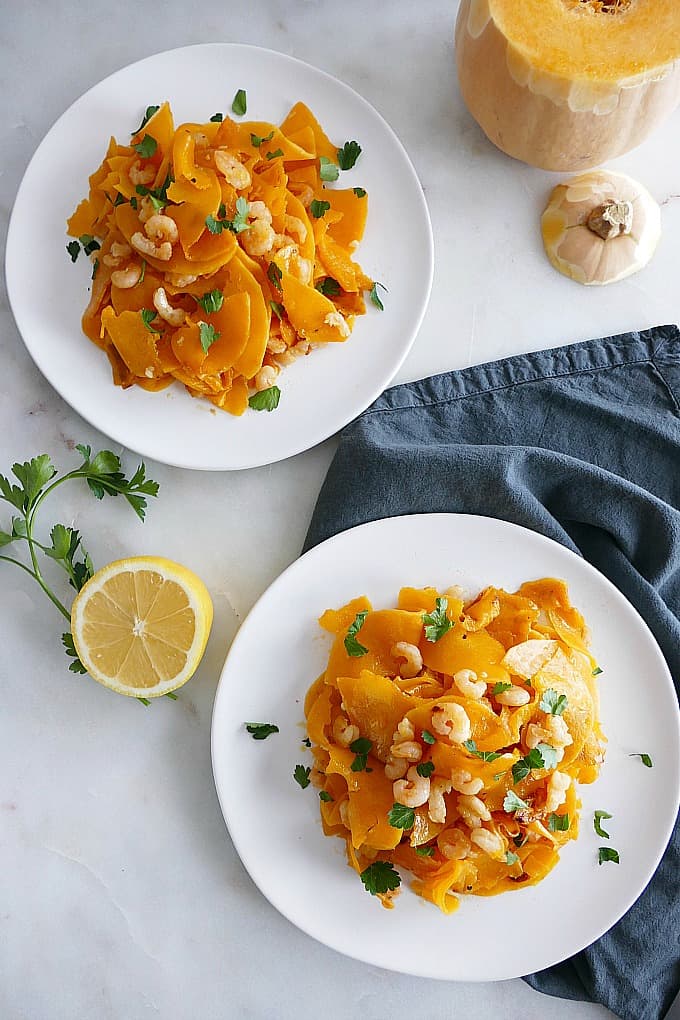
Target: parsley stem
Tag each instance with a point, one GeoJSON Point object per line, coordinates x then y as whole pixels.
{"type": "Point", "coordinates": [18, 563]}
{"type": "Point", "coordinates": [39, 578]}
{"type": "Point", "coordinates": [50, 488]}
{"type": "Point", "coordinates": [32, 542]}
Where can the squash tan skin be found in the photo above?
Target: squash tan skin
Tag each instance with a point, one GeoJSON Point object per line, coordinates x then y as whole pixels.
{"type": "Point", "coordinates": [534, 129]}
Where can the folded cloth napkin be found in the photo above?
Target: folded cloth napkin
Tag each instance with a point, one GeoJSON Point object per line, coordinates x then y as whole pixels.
{"type": "Point", "coordinates": [581, 444]}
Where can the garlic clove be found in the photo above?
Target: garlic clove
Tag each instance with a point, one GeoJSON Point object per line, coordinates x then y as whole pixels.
{"type": "Point", "coordinates": [600, 227]}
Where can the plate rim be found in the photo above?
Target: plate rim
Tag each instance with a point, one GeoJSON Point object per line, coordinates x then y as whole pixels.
{"type": "Point", "coordinates": [325, 433]}
{"type": "Point", "coordinates": [220, 697]}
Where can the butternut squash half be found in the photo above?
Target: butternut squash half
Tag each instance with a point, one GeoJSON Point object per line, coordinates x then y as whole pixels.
{"type": "Point", "coordinates": [568, 84]}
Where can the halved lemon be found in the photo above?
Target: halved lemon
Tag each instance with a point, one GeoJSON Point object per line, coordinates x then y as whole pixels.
{"type": "Point", "coordinates": [140, 625]}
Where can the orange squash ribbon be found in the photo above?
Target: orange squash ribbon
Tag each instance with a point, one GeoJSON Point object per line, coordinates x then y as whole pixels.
{"type": "Point", "coordinates": [479, 730]}
{"type": "Point", "coordinates": [223, 257]}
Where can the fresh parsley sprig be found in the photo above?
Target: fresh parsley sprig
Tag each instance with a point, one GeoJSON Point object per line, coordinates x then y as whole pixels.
{"type": "Point", "coordinates": [38, 478]}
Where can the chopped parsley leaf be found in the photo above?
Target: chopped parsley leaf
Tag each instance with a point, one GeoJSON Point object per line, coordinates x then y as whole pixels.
{"type": "Point", "coordinates": [500, 687]}
{"type": "Point", "coordinates": [73, 248]}
{"type": "Point", "coordinates": [275, 154]}
{"type": "Point", "coordinates": [325, 796]}
{"type": "Point", "coordinates": [261, 730]}
{"type": "Point", "coordinates": [471, 746]}
{"type": "Point", "coordinates": [318, 209]}
{"type": "Point", "coordinates": [424, 851]}
{"type": "Point", "coordinates": [597, 823]}
{"type": "Point", "coordinates": [359, 192]}
{"type": "Point", "coordinates": [548, 754]}
{"type": "Point", "coordinates": [328, 286]}
{"type": "Point", "coordinates": [150, 110]}
{"type": "Point", "coordinates": [265, 400]}
{"type": "Point", "coordinates": [257, 140]}
{"type": "Point", "coordinates": [239, 103]}
{"type": "Point", "coordinates": [425, 769]}
{"type": "Point", "coordinates": [514, 803]}
{"type": "Point", "coordinates": [558, 823]}
{"type": "Point", "coordinates": [213, 225]}
{"type": "Point", "coordinates": [361, 745]}
{"type": "Point", "coordinates": [89, 243]}
{"type": "Point", "coordinates": [644, 758]}
{"type": "Point", "coordinates": [523, 766]}
{"type": "Point", "coordinates": [607, 853]}
{"type": "Point", "coordinates": [147, 147]}
{"type": "Point", "coordinates": [401, 817]}
{"type": "Point", "coordinates": [277, 309]}
{"type": "Point", "coordinates": [597, 671]}
{"type": "Point", "coordinates": [375, 297]}
{"type": "Point", "coordinates": [360, 748]}
{"type": "Point", "coordinates": [301, 775]}
{"type": "Point", "coordinates": [274, 275]}
{"type": "Point", "coordinates": [380, 877]}
{"type": "Point", "coordinates": [428, 738]}
{"type": "Point", "coordinates": [328, 171]}
{"type": "Point", "coordinates": [217, 118]}
{"type": "Point", "coordinates": [208, 335]}
{"type": "Point", "coordinates": [211, 301]}
{"type": "Point", "coordinates": [148, 315]}
{"type": "Point", "coordinates": [437, 623]}
{"type": "Point", "coordinates": [552, 702]}
{"type": "Point", "coordinates": [352, 646]}
{"type": "Point", "coordinates": [348, 155]}
{"type": "Point", "coordinates": [511, 858]}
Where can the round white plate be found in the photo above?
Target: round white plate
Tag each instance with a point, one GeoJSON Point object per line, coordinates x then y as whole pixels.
{"type": "Point", "coordinates": [275, 825]}
{"type": "Point", "coordinates": [320, 394]}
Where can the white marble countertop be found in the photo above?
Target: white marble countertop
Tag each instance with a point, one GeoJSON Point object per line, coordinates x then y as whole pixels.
{"type": "Point", "coordinates": [122, 895]}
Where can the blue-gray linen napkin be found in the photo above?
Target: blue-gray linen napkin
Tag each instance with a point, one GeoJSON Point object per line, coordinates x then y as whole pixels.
{"type": "Point", "coordinates": [581, 444]}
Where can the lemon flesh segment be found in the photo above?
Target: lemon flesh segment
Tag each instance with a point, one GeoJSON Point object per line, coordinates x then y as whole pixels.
{"type": "Point", "coordinates": [140, 625]}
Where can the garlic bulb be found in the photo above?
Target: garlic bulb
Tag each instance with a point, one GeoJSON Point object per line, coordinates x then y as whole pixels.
{"type": "Point", "coordinates": [600, 227]}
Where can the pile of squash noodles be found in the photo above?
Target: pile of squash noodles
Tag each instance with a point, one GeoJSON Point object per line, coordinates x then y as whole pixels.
{"type": "Point", "coordinates": [534, 640]}
{"type": "Point", "coordinates": [274, 306]}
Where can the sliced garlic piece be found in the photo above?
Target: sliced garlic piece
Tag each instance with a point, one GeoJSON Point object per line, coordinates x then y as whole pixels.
{"type": "Point", "coordinates": [600, 227]}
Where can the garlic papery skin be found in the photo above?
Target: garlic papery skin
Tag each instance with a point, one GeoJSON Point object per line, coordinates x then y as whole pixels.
{"type": "Point", "coordinates": [600, 227]}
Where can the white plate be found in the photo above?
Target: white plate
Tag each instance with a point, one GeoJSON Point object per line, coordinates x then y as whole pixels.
{"type": "Point", "coordinates": [320, 394]}
{"type": "Point", "coordinates": [275, 825]}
